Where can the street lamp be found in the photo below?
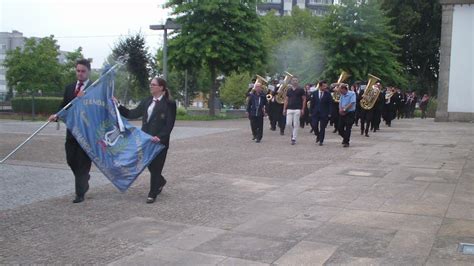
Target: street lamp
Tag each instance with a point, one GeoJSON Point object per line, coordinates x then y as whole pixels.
{"type": "Point", "coordinates": [169, 25]}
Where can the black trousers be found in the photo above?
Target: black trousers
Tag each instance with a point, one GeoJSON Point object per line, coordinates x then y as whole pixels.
{"type": "Point", "coordinates": [320, 123]}
{"type": "Point", "coordinates": [156, 178]}
{"type": "Point", "coordinates": [366, 117]}
{"type": "Point", "coordinates": [80, 164]}
{"type": "Point", "coordinates": [256, 124]}
{"type": "Point", "coordinates": [345, 126]}
{"type": "Point", "coordinates": [276, 116]}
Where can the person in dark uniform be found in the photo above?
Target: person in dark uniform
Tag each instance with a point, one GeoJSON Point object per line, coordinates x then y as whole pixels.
{"type": "Point", "coordinates": [158, 113]}
{"type": "Point", "coordinates": [335, 111]}
{"type": "Point", "coordinates": [256, 111]}
{"type": "Point", "coordinates": [275, 111]}
{"type": "Point", "coordinates": [378, 108]}
{"type": "Point", "coordinates": [306, 118]}
{"type": "Point", "coordinates": [321, 104]}
{"type": "Point", "coordinates": [388, 105]}
{"type": "Point", "coordinates": [359, 92]}
{"type": "Point", "coordinates": [76, 157]}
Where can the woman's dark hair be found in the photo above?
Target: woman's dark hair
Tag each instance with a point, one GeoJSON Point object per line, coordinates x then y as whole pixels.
{"type": "Point", "coordinates": [162, 83]}
{"type": "Point", "coordinates": [84, 62]}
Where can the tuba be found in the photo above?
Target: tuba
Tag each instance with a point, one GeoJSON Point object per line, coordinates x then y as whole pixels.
{"type": "Point", "coordinates": [371, 93]}
{"type": "Point", "coordinates": [280, 97]}
{"type": "Point", "coordinates": [336, 95]}
{"type": "Point", "coordinates": [262, 81]}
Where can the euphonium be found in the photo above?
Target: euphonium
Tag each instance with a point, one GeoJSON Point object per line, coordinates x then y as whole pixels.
{"type": "Point", "coordinates": [371, 93]}
{"type": "Point", "coordinates": [280, 97]}
{"type": "Point", "coordinates": [336, 95]}
{"type": "Point", "coordinates": [262, 81]}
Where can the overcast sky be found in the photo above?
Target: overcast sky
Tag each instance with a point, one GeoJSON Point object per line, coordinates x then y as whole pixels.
{"type": "Point", "coordinates": [95, 25]}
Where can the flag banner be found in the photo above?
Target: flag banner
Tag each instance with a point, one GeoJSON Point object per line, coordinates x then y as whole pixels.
{"type": "Point", "coordinates": [120, 150]}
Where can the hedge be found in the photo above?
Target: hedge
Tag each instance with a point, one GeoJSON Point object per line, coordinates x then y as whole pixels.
{"type": "Point", "coordinates": [43, 105]}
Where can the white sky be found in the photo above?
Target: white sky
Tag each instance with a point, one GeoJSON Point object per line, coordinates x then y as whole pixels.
{"type": "Point", "coordinates": [95, 25]}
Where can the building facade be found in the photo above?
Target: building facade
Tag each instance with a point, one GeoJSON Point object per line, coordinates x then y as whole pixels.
{"type": "Point", "coordinates": [284, 7]}
{"type": "Point", "coordinates": [10, 41]}
{"type": "Point", "coordinates": [456, 66]}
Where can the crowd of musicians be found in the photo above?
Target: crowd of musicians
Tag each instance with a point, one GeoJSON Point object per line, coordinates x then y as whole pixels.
{"type": "Point", "coordinates": [314, 106]}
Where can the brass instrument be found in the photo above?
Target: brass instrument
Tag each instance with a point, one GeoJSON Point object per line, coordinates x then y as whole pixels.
{"type": "Point", "coordinates": [269, 97]}
{"type": "Point", "coordinates": [262, 81]}
{"type": "Point", "coordinates": [281, 96]}
{"type": "Point", "coordinates": [309, 100]}
{"type": "Point", "coordinates": [336, 95]}
{"type": "Point", "coordinates": [371, 93]}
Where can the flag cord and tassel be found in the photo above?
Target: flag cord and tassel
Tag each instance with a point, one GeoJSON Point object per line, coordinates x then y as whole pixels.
{"type": "Point", "coordinates": [120, 61]}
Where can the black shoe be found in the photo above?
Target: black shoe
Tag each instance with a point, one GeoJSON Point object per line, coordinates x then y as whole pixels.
{"type": "Point", "coordinates": [150, 200]}
{"type": "Point", "coordinates": [78, 199]}
{"type": "Point", "coordinates": [317, 140]}
{"type": "Point", "coordinates": [367, 134]}
{"type": "Point", "coordinates": [345, 145]}
{"type": "Point", "coordinates": [362, 132]}
{"type": "Point", "coordinates": [293, 142]}
{"type": "Point", "coordinates": [258, 141]}
{"type": "Point", "coordinates": [282, 132]}
{"type": "Point", "coordinates": [320, 144]}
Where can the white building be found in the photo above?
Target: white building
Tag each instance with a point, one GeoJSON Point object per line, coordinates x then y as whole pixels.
{"type": "Point", "coordinates": [284, 7]}
{"type": "Point", "coordinates": [10, 41]}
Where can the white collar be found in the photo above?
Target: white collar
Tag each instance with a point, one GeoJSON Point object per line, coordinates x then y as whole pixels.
{"type": "Point", "coordinates": [85, 82]}
{"type": "Point", "coordinates": [159, 98]}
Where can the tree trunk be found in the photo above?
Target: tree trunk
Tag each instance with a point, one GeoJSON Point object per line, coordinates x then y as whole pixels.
{"type": "Point", "coordinates": [212, 94]}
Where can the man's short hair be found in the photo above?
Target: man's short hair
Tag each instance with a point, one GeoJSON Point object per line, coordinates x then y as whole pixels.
{"type": "Point", "coordinates": [84, 62]}
{"type": "Point", "coordinates": [343, 86]}
{"type": "Point", "coordinates": [321, 82]}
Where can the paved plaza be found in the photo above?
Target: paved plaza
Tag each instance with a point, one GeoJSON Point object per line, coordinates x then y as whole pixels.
{"type": "Point", "coordinates": [404, 196]}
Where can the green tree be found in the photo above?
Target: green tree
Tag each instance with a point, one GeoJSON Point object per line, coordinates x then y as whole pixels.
{"type": "Point", "coordinates": [138, 63]}
{"type": "Point", "coordinates": [222, 36]}
{"type": "Point", "coordinates": [69, 67]}
{"type": "Point", "coordinates": [357, 38]}
{"type": "Point", "coordinates": [235, 88]}
{"type": "Point", "coordinates": [293, 44]}
{"type": "Point", "coordinates": [418, 22]}
{"type": "Point", "coordinates": [35, 67]}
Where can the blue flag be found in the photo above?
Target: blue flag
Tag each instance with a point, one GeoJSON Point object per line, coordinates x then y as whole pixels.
{"type": "Point", "coordinates": [120, 150]}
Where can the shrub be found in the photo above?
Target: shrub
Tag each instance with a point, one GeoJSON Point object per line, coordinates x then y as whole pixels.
{"type": "Point", "coordinates": [43, 105]}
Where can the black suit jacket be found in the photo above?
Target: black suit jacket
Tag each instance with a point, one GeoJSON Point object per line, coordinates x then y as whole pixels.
{"type": "Point", "coordinates": [68, 97]}
{"type": "Point", "coordinates": [161, 121]}
{"type": "Point", "coordinates": [321, 107]}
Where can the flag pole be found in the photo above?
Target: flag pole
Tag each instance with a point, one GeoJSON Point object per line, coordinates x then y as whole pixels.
{"type": "Point", "coordinates": [120, 61]}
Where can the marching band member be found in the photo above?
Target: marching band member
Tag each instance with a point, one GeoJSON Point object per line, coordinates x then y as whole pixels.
{"type": "Point", "coordinates": [321, 105]}
{"type": "Point", "coordinates": [275, 111]}
{"type": "Point", "coordinates": [76, 157]}
{"type": "Point", "coordinates": [158, 113]}
{"type": "Point", "coordinates": [294, 107]}
{"type": "Point", "coordinates": [256, 111]}
{"type": "Point", "coordinates": [347, 106]}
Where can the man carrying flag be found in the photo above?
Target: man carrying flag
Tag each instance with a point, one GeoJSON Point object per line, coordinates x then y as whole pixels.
{"type": "Point", "coordinates": [77, 159]}
{"type": "Point", "coordinates": [97, 133]}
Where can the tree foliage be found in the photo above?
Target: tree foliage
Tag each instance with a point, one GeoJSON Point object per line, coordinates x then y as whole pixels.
{"type": "Point", "coordinates": [358, 38]}
{"type": "Point", "coordinates": [138, 63]}
{"type": "Point", "coordinates": [222, 36]}
{"type": "Point", "coordinates": [293, 44]}
{"type": "Point", "coordinates": [418, 22]}
{"type": "Point", "coordinates": [35, 67]}
{"type": "Point", "coordinates": [235, 88]}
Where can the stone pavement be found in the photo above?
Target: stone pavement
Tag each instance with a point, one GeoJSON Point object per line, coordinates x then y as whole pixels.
{"type": "Point", "coordinates": [404, 196]}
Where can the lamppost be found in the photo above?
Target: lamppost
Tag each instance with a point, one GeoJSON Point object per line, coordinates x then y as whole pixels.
{"type": "Point", "coordinates": [169, 25]}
